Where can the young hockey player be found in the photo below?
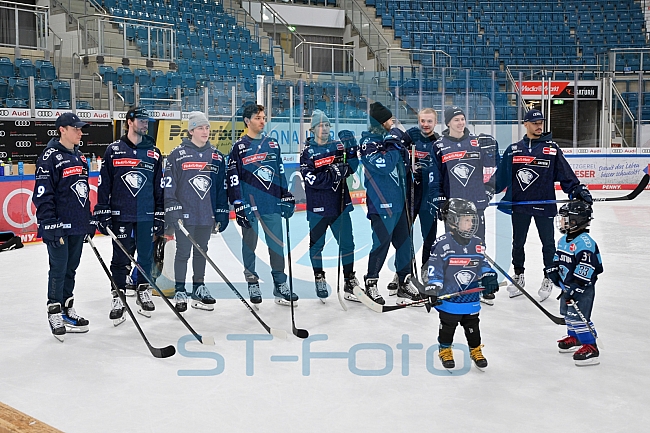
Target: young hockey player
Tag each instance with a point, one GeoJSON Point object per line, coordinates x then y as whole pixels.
{"type": "Point", "coordinates": [529, 170]}
{"type": "Point", "coordinates": [456, 265]}
{"type": "Point", "coordinates": [63, 214]}
{"type": "Point", "coordinates": [195, 193]}
{"type": "Point", "coordinates": [457, 170]}
{"type": "Point", "coordinates": [576, 266]}
{"type": "Point", "coordinates": [257, 188]}
{"type": "Point", "coordinates": [325, 164]}
{"type": "Point", "coordinates": [130, 202]}
{"type": "Point", "coordinates": [386, 167]}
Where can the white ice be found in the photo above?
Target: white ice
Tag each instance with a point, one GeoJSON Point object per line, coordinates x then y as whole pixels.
{"type": "Point", "coordinates": [106, 380]}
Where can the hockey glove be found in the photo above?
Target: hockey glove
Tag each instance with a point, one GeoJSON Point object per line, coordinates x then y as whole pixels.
{"type": "Point", "coordinates": [581, 192]}
{"type": "Point", "coordinates": [159, 223]}
{"type": "Point", "coordinates": [221, 219]}
{"type": "Point", "coordinates": [347, 138]}
{"type": "Point", "coordinates": [435, 207]}
{"type": "Point", "coordinates": [570, 292]}
{"type": "Point", "coordinates": [92, 228]}
{"type": "Point", "coordinates": [52, 233]}
{"type": "Point", "coordinates": [489, 192]}
{"type": "Point", "coordinates": [102, 215]}
{"type": "Point", "coordinates": [431, 293]}
{"type": "Point", "coordinates": [173, 214]}
{"type": "Point", "coordinates": [241, 210]}
{"type": "Point", "coordinates": [287, 205]}
{"type": "Point", "coordinates": [489, 282]}
{"type": "Point", "coordinates": [553, 274]}
{"type": "Point", "coordinates": [339, 171]}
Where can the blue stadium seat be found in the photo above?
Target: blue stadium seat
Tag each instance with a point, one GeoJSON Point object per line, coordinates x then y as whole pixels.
{"type": "Point", "coordinates": [62, 89]}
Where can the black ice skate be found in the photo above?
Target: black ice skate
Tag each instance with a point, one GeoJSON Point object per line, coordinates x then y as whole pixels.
{"type": "Point", "coordinates": [446, 356]}
{"type": "Point", "coordinates": [407, 294]}
{"type": "Point", "coordinates": [201, 299]}
{"type": "Point", "coordinates": [73, 322]}
{"type": "Point", "coordinates": [255, 294]}
{"type": "Point", "coordinates": [350, 283]}
{"type": "Point", "coordinates": [568, 344]}
{"type": "Point", "coordinates": [477, 356]}
{"type": "Point", "coordinates": [117, 310]}
{"type": "Point", "coordinates": [587, 354]}
{"type": "Point", "coordinates": [56, 321]}
{"type": "Point", "coordinates": [373, 292]}
{"type": "Point", "coordinates": [321, 286]}
{"type": "Point", "coordinates": [144, 301]}
{"type": "Point", "coordinates": [180, 301]}
{"type": "Point", "coordinates": [283, 295]}
{"type": "Point", "coordinates": [487, 299]}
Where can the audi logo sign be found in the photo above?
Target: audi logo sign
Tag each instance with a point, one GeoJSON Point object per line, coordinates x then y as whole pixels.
{"type": "Point", "coordinates": [23, 144]}
{"type": "Point", "coordinates": [3, 155]}
{"type": "Point", "coordinates": [42, 113]}
{"type": "Point", "coordinates": [51, 133]}
{"type": "Point", "coordinates": [4, 113]}
{"type": "Point", "coordinates": [22, 123]}
{"type": "Point", "coordinates": [2, 133]}
{"type": "Point", "coordinates": [84, 114]}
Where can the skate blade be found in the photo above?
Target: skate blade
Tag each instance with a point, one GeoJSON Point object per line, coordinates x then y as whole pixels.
{"type": "Point", "coordinates": [569, 350]}
{"type": "Point", "coordinates": [350, 297]}
{"type": "Point", "coordinates": [543, 298]}
{"type": "Point", "coordinates": [145, 313]}
{"type": "Point", "coordinates": [587, 362]}
{"type": "Point", "coordinates": [118, 322]}
{"type": "Point", "coordinates": [180, 310]}
{"type": "Point", "coordinates": [201, 306]}
{"type": "Point", "coordinates": [255, 306]}
{"type": "Point", "coordinates": [322, 300]}
{"type": "Point", "coordinates": [487, 301]}
{"type": "Point", "coordinates": [480, 368]}
{"type": "Point", "coordinates": [408, 302]}
{"type": "Point", "coordinates": [282, 301]}
{"type": "Point", "coordinates": [76, 329]}
{"type": "Point", "coordinates": [129, 293]}
{"type": "Point", "coordinates": [392, 292]}
{"type": "Point", "coordinates": [61, 338]}
{"type": "Point", "coordinates": [515, 294]}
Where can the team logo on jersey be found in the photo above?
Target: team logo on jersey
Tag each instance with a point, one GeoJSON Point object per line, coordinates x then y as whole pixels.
{"type": "Point", "coordinates": [134, 181]}
{"type": "Point", "coordinates": [48, 153]}
{"type": "Point", "coordinates": [59, 157]}
{"type": "Point", "coordinates": [217, 157]}
{"type": "Point", "coordinates": [572, 247]}
{"type": "Point", "coordinates": [116, 148]}
{"type": "Point", "coordinates": [80, 188]}
{"type": "Point", "coordinates": [194, 165]}
{"type": "Point", "coordinates": [463, 172]}
{"type": "Point", "coordinates": [311, 178]}
{"type": "Point", "coordinates": [549, 151]}
{"type": "Point", "coordinates": [480, 249]}
{"type": "Point", "coordinates": [265, 175]}
{"type": "Point", "coordinates": [526, 177]}
{"type": "Point", "coordinates": [71, 171]}
{"type": "Point", "coordinates": [254, 158]}
{"type": "Point", "coordinates": [453, 155]}
{"type": "Point", "coordinates": [464, 278]}
{"type": "Point", "coordinates": [395, 176]}
{"type": "Point", "coordinates": [459, 261]}
{"type": "Point", "coordinates": [181, 152]}
{"type": "Point", "coordinates": [126, 162]}
{"type": "Point", "coordinates": [273, 145]}
{"type": "Point", "coordinates": [324, 161]}
{"type": "Point", "coordinates": [201, 184]}
{"type": "Point", "coordinates": [340, 146]}
{"type": "Point", "coordinates": [152, 154]}
{"type": "Point", "coordinates": [474, 143]}
{"type": "Point", "coordinates": [83, 158]}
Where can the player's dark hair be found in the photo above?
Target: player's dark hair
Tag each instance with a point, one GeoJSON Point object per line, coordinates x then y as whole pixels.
{"type": "Point", "coordinates": [251, 110]}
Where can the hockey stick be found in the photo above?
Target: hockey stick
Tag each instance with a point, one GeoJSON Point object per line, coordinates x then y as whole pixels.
{"type": "Point", "coordinates": [338, 272]}
{"type": "Point", "coordinates": [377, 308]}
{"type": "Point", "coordinates": [574, 304]}
{"type": "Point", "coordinates": [300, 333]}
{"type": "Point", "coordinates": [164, 352]}
{"type": "Point", "coordinates": [554, 319]}
{"type": "Point", "coordinates": [275, 332]}
{"type": "Point", "coordinates": [631, 196]}
{"type": "Point", "coordinates": [201, 339]}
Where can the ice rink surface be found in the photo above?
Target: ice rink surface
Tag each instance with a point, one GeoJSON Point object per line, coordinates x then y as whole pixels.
{"type": "Point", "coordinates": [359, 370]}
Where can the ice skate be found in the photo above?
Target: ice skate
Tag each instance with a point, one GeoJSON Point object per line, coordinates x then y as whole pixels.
{"type": "Point", "coordinates": [446, 356]}
{"type": "Point", "coordinates": [117, 310]}
{"type": "Point", "coordinates": [477, 356]}
{"type": "Point", "coordinates": [144, 301]}
{"type": "Point", "coordinates": [180, 301]}
{"type": "Point", "coordinates": [55, 319]}
{"type": "Point", "coordinates": [350, 283]}
{"type": "Point", "coordinates": [568, 344]}
{"type": "Point", "coordinates": [373, 292]}
{"type": "Point", "coordinates": [255, 294]}
{"type": "Point", "coordinates": [587, 354]}
{"type": "Point", "coordinates": [487, 299]}
{"type": "Point", "coordinates": [407, 294]}
{"type": "Point", "coordinates": [283, 295]}
{"type": "Point", "coordinates": [321, 286]}
{"type": "Point", "coordinates": [202, 299]}
{"type": "Point", "coordinates": [74, 323]}
{"type": "Point", "coordinates": [393, 286]}
{"type": "Point", "coordinates": [513, 291]}
{"type": "Point", "coordinates": [545, 290]}
{"type": "Point", "coordinates": [129, 289]}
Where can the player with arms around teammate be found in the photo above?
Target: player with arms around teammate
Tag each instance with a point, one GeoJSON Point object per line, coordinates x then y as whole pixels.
{"type": "Point", "coordinates": [529, 170]}
{"type": "Point", "coordinates": [63, 214]}
{"type": "Point", "coordinates": [257, 188]}
{"type": "Point", "coordinates": [195, 193]}
{"type": "Point", "coordinates": [457, 264]}
{"type": "Point", "coordinates": [576, 266]}
{"type": "Point", "coordinates": [130, 202]}
{"type": "Point", "coordinates": [325, 164]}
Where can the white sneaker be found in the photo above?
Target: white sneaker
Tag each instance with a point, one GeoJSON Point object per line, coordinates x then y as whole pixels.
{"type": "Point", "coordinates": [546, 289]}
{"type": "Point", "coordinates": [513, 291]}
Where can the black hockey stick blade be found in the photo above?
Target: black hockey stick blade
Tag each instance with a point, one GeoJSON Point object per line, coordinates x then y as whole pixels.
{"type": "Point", "coordinates": [162, 352]}
{"type": "Point", "coordinates": [555, 319]}
{"type": "Point", "coordinates": [203, 340]}
{"type": "Point", "coordinates": [275, 332]}
{"type": "Point", "coordinates": [298, 332]}
{"type": "Point", "coordinates": [632, 195]}
{"type": "Point", "coordinates": [365, 300]}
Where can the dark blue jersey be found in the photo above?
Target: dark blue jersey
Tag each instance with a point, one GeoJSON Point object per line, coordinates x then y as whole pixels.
{"type": "Point", "coordinates": [460, 165]}
{"type": "Point", "coordinates": [256, 174]}
{"type": "Point", "coordinates": [419, 148]}
{"type": "Point", "coordinates": [195, 182]}
{"type": "Point", "coordinates": [385, 168]}
{"type": "Point", "coordinates": [61, 190]}
{"type": "Point", "coordinates": [323, 190]}
{"type": "Point", "coordinates": [458, 268]}
{"type": "Point", "coordinates": [578, 261]}
{"type": "Point", "coordinates": [130, 181]}
{"type": "Point", "coordinates": [529, 170]}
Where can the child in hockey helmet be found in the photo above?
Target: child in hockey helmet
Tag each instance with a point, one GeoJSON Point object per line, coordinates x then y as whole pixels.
{"type": "Point", "coordinates": [573, 217]}
{"type": "Point", "coordinates": [461, 217]}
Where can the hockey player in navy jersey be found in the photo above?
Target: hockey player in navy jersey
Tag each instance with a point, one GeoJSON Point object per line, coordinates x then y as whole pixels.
{"type": "Point", "coordinates": [457, 264]}
{"type": "Point", "coordinates": [325, 164]}
{"type": "Point", "coordinates": [130, 202]}
{"type": "Point", "coordinates": [61, 197]}
{"type": "Point", "coordinates": [460, 160]}
{"type": "Point", "coordinates": [257, 188]}
{"type": "Point", "coordinates": [529, 170]}
{"type": "Point", "coordinates": [576, 266]}
{"type": "Point", "coordinates": [195, 193]}
{"type": "Point", "coordinates": [386, 168]}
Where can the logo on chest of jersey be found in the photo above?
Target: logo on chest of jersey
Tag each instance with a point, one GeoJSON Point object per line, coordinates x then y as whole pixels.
{"type": "Point", "coordinates": [324, 161]}
{"type": "Point", "coordinates": [474, 143]}
{"type": "Point", "coordinates": [526, 177]}
{"type": "Point", "coordinates": [395, 176]}
{"type": "Point", "coordinates": [194, 165]}
{"type": "Point", "coordinates": [480, 249]}
{"type": "Point", "coordinates": [463, 172]}
{"type": "Point", "coordinates": [153, 154]}
{"type": "Point", "coordinates": [132, 162]}
{"type": "Point", "coordinates": [265, 175]}
{"type": "Point", "coordinates": [464, 278]}
{"type": "Point", "coordinates": [71, 171]}
{"type": "Point", "coordinates": [340, 146]}
{"type": "Point", "coordinates": [572, 247]}
{"type": "Point", "coordinates": [201, 184]}
{"type": "Point", "coordinates": [549, 151]}
{"type": "Point", "coordinates": [419, 154]}
{"type": "Point", "coordinates": [531, 160]}
{"type": "Point", "coordinates": [461, 154]}
{"type": "Point", "coordinates": [134, 181]}
{"type": "Point", "coordinates": [80, 188]}
{"type": "Point", "coordinates": [254, 158]}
